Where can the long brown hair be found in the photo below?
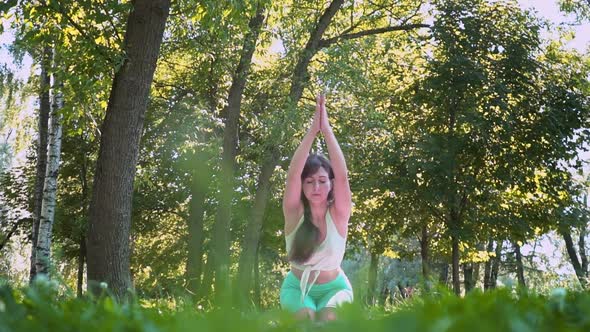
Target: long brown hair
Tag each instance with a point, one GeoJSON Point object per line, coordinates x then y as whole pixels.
{"type": "Point", "coordinates": [307, 236]}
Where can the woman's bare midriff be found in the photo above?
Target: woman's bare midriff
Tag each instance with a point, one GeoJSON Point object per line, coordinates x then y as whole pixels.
{"type": "Point", "coordinates": [324, 277]}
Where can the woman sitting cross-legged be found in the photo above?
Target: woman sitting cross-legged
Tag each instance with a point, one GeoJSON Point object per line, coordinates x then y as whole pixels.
{"type": "Point", "coordinates": [316, 206]}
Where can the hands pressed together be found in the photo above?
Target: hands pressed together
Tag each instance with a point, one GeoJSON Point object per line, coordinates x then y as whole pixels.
{"type": "Point", "coordinates": [320, 118]}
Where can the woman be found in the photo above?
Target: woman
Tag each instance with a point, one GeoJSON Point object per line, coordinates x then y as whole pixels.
{"type": "Point", "coordinates": [316, 206]}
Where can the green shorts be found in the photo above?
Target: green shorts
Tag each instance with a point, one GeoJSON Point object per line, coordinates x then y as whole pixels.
{"type": "Point", "coordinates": [320, 296]}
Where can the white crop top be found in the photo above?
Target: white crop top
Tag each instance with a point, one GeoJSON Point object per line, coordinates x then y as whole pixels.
{"type": "Point", "coordinates": [327, 256]}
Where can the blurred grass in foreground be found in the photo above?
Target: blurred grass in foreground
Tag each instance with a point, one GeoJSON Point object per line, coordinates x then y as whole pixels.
{"type": "Point", "coordinates": [42, 307]}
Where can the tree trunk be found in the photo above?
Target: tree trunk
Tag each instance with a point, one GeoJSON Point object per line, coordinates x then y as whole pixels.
{"type": "Point", "coordinates": [455, 265]}
{"type": "Point", "coordinates": [372, 284]}
{"type": "Point", "coordinates": [200, 276]}
{"type": "Point", "coordinates": [81, 261]}
{"type": "Point", "coordinates": [582, 245]}
{"type": "Point", "coordinates": [443, 276]}
{"type": "Point", "coordinates": [496, 265]}
{"type": "Point", "coordinates": [519, 265]}
{"type": "Point", "coordinates": [476, 269]}
{"type": "Point", "coordinates": [581, 274]}
{"type": "Point", "coordinates": [384, 298]}
{"type": "Point", "coordinates": [425, 254]}
{"type": "Point", "coordinates": [200, 181]}
{"type": "Point", "coordinates": [487, 273]}
{"type": "Point", "coordinates": [300, 73]}
{"type": "Point", "coordinates": [583, 257]}
{"type": "Point", "coordinates": [257, 298]}
{"type": "Point", "coordinates": [43, 247]}
{"type": "Point", "coordinates": [43, 128]}
{"type": "Point", "coordinates": [222, 226]}
{"type": "Point", "coordinates": [468, 277]}
{"type": "Point", "coordinates": [251, 241]}
{"type": "Point", "coordinates": [82, 249]}
{"type": "Point", "coordinates": [205, 288]}
{"type": "Point", "coordinates": [110, 207]}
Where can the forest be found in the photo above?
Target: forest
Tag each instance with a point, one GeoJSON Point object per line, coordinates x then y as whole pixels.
{"type": "Point", "coordinates": [145, 145]}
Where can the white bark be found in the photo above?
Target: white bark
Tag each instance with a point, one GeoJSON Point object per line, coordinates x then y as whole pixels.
{"type": "Point", "coordinates": [43, 248]}
{"type": "Point", "coordinates": [41, 167]}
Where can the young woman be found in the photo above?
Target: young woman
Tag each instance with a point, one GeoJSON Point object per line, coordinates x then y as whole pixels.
{"type": "Point", "coordinates": [317, 206]}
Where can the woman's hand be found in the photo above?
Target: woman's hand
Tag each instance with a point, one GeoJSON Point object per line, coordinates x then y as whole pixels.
{"type": "Point", "coordinates": [316, 122]}
{"type": "Point", "coordinates": [321, 109]}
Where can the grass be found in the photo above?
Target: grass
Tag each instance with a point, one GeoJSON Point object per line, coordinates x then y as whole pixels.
{"type": "Point", "coordinates": [42, 307]}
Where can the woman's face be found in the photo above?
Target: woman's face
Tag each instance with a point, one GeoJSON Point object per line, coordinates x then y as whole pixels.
{"type": "Point", "coordinates": [317, 186]}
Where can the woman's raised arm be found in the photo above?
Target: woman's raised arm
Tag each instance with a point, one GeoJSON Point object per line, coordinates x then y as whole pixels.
{"type": "Point", "coordinates": [342, 193]}
{"type": "Point", "coordinates": [292, 205]}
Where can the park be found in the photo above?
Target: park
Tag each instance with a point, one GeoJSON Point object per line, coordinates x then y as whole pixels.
{"type": "Point", "coordinates": [408, 165]}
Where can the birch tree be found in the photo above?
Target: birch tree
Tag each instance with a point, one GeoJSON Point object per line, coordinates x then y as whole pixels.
{"type": "Point", "coordinates": [46, 220]}
{"type": "Point", "coordinates": [41, 168]}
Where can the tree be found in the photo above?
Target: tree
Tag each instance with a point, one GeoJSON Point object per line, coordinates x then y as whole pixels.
{"type": "Point", "coordinates": [220, 253]}
{"type": "Point", "coordinates": [110, 207]}
{"type": "Point", "coordinates": [82, 69]}
{"type": "Point", "coordinates": [43, 124]}
{"type": "Point", "coordinates": [484, 141]}
{"type": "Point", "coordinates": [576, 219]}
{"type": "Point", "coordinates": [11, 222]}
{"type": "Point", "coordinates": [49, 201]}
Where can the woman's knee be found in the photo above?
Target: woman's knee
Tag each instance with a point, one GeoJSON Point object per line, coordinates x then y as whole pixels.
{"type": "Point", "coordinates": [327, 314]}
{"type": "Point", "coordinates": [338, 299]}
{"type": "Point", "coordinates": [305, 313]}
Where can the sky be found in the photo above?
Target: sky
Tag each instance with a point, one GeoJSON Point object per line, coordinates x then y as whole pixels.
{"type": "Point", "coordinates": [549, 9]}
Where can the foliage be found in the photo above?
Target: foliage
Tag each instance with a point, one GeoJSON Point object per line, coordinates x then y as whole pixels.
{"type": "Point", "coordinates": [16, 192]}
{"type": "Point", "coordinates": [581, 8]}
{"type": "Point", "coordinates": [43, 307]}
{"type": "Point", "coordinates": [485, 138]}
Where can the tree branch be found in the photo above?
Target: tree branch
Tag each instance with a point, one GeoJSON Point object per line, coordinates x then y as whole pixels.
{"type": "Point", "coordinates": [14, 228]}
{"type": "Point", "coordinates": [436, 213]}
{"type": "Point", "coordinates": [571, 251]}
{"type": "Point", "coordinates": [112, 23]}
{"type": "Point", "coordinates": [404, 27]}
{"type": "Point", "coordinates": [359, 22]}
{"type": "Point", "coordinates": [300, 75]}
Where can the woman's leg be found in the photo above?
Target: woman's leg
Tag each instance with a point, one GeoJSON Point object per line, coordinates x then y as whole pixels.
{"type": "Point", "coordinates": [305, 313]}
{"type": "Point", "coordinates": [291, 299]}
{"type": "Point", "coordinates": [337, 293]}
{"type": "Point", "coordinates": [326, 314]}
